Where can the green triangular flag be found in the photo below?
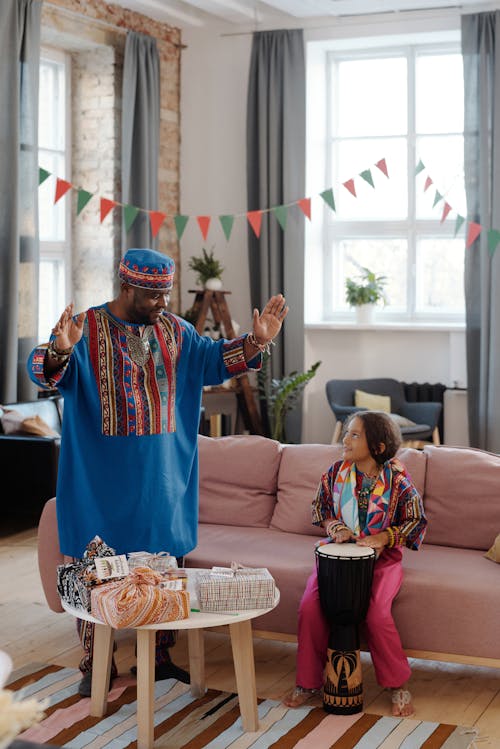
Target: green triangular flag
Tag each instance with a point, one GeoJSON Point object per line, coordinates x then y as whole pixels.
{"type": "Point", "coordinates": [129, 214]}
{"type": "Point", "coordinates": [227, 225]}
{"type": "Point", "coordinates": [437, 198]}
{"type": "Point", "coordinates": [42, 175]}
{"type": "Point", "coordinates": [419, 168]}
{"type": "Point", "coordinates": [327, 196]}
{"type": "Point", "coordinates": [367, 176]}
{"type": "Point", "coordinates": [281, 212]}
{"type": "Point", "coordinates": [82, 200]}
{"type": "Point", "coordinates": [180, 222]}
{"type": "Point", "coordinates": [493, 240]}
{"type": "Point", "coordinates": [458, 223]}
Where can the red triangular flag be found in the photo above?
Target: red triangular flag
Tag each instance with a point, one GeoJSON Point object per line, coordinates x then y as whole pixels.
{"type": "Point", "coordinates": [428, 183]}
{"type": "Point", "coordinates": [305, 204]}
{"type": "Point", "coordinates": [156, 219]}
{"type": "Point", "coordinates": [473, 233]}
{"type": "Point", "coordinates": [349, 185]}
{"type": "Point", "coordinates": [255, 221]}
{"type": "Point", "coordinates": [106, 207]}
{"type": "Point", "coordinates": [383, 167]}
{"type": "Point", "coordinates": [204, 224]}
{"type": "Point", "coordinates": [62, 188]}
{"type": "Point", "coordinates": [446, 210]}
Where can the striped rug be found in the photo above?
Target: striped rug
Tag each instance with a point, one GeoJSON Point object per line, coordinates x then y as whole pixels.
{"type": "Point", "coordinates": [182, 722]}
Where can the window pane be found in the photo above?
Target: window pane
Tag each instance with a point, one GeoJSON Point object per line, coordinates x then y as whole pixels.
{"type": "Point", "coordinates": [52, 218]}
{"type": "Point", "coordinates": [369, 97]}
{"type": "Point", "coordinates": [51, 120]}
{"type": "Point", "coordinates": [52, 294]}
{"type": "Point", "coordinates": [385, 257]}
{"type": "Point", "coordinates": [440, 275]}
{"type": "Point", "coordinates": [389, 199]}
{"type": "Point", "coordinates": [443, 157]}
{"type": "Point", "coordinates": [439, 89]}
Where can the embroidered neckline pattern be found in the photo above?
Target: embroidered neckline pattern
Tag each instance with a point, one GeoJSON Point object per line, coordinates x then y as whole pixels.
{"type": "Point", "coordinates": [138, 345]}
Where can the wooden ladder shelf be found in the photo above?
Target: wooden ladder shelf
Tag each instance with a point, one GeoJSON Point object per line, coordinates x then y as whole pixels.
{"type": "Point", "coordinates": [205, 300]}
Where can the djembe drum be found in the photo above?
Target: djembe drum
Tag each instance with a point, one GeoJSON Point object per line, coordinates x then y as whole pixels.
{"type": "Point", "coordinates": [345, 573]}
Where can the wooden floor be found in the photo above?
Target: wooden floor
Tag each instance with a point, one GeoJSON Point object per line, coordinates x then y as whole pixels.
{"type": "Point", "coordinates": [30, 632]}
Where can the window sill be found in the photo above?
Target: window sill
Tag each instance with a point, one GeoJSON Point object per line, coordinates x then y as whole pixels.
{"type": "Point", "coordinates": [425, 327]}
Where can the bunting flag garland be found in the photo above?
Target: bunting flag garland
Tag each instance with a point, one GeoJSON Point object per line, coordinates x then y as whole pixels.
{"type": "Point", "coordinates": [474, 229]}
{"type": "Point", "coordinates": [383, 167]}
{"type": "Point", "coordinates": [367, 176]}
{"type": "Point", "coordinates": [255, 221]}
{"type": "Point", "coordinates": [105, 207]}
{"type": "Point", "coordinates": [227, 222]}
{"type": "Point", "coordinates": [42, 175]}
{"type": "Point", "coordinates": [62, 187]}
{"type": "Point", "coordinates": [82, 200]}
{"type": "Point", "coordinates": [129, 215]}
{"type": "Point", "coordinates": [157, 218]}
{"type": "Point", "coordinates": [204, 224]}
{"type": "Point", "coordinates": [327, 196]}
{"type": "Point", "coordinates": [281, 213]}
{"type": "Point", "coordinates": [349, 185]}
{"type": "Point", "coordinates": [305, 206]}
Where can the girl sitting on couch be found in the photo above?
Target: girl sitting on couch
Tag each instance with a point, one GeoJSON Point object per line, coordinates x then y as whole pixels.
{"type": "Point", "coordinates": [387, 514]}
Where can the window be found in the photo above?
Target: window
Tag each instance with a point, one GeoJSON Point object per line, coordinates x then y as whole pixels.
{"type": "Point", "coordinates": [402, 104]}
{"type": "Point", "coordinates": [53, 155]}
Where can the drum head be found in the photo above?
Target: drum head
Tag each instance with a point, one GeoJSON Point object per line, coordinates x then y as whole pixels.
{"type": "Point", "coordinates": [345, 551]}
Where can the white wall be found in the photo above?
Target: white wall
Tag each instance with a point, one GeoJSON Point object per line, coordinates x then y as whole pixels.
{"type": "Point", "coordinates": [213, 181]}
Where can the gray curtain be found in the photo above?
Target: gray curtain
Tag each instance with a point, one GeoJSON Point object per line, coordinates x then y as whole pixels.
{"type": "Point", "coordinates": [276, 175]}
{"type": "Point", "coordinates": [140, 135]}
{"type": "Point", "coordinates": [482, 184]}
{"type": "Point", "coordinates": [19, 248]}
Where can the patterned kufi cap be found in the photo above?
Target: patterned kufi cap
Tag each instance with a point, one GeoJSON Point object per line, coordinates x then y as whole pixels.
{"type": "Point", "coordinates": [147, 269]}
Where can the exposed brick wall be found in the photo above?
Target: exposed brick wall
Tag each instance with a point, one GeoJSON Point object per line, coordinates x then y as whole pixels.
{"type": "Point", "coordinates": [97, 62]}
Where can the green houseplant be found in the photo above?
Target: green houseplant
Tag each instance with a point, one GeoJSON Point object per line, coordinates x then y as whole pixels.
{"type": "Point", "coordinates": [207, 268]}
{"type": "Point", "coordinates": [280, 396]}
{"type": "Point", "coordinates": [368, 289]}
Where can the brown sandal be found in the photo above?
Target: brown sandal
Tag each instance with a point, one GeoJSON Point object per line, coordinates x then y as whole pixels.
{"type": "Point", "coordinates": [299, 696]}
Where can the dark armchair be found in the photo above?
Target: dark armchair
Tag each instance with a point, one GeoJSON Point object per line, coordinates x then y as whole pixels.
{"type": "Point", "coordinates": [340, 395]}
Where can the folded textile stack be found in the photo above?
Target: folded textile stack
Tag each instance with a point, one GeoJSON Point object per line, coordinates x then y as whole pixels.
{"type": "Point", "coordinates": [235, 587]}
{"type": "Point", "coordinates": [76, 579]}
{"type": "Point", "coordinates": [138, 599]}
{"type": "Point", "coordinates": [160, 561]}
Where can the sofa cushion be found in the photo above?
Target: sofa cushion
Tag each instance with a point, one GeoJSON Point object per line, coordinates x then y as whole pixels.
{"type": "Point", "coordinates": [300, 470]}
{"type": "Point", "coordinates": [460, 485]}
{"type": "Point", "coordinates": [238, 479]}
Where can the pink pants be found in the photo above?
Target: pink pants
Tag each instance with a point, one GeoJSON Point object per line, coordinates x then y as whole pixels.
{"type": "Point", "coordinates": [390, 663]}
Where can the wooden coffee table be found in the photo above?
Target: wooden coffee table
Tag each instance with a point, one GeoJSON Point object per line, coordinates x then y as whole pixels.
{"type": "Point", "coordinates": [240, 630]}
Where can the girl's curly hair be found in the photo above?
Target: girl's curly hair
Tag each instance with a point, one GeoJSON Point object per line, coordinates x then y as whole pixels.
{"type": "Point", "coordinates": [379, 427]}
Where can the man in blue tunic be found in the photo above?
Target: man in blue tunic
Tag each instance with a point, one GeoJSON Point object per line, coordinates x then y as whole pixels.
{"type": "Point", "coordinates": [132, 375]}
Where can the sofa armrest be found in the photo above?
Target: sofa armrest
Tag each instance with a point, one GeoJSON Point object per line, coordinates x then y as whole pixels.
{"type": "Point", "coordinates": [49, 554]}
{"type": "Point", "coordinates": [343, 412]}
{"type": "Point", "coordinates": [423, 413]}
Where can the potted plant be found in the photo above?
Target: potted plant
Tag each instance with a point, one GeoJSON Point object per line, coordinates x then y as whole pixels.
{"type": "Point", "coordinates": [208, 269]}
{"type": "Point", "coordinates": [365, 292]}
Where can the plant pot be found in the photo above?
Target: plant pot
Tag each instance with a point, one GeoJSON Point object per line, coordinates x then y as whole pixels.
{"type": "Point", "coordinates": [213, 284]}
{"type": "Point", "coordinates": [365, 314]}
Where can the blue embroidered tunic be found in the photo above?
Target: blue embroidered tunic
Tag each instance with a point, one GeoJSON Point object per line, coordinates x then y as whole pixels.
{"type": "Point", "coordinates": [128, 466]}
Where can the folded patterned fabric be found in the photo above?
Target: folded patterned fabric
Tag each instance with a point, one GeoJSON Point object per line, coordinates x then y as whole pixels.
{"type": "Point", "coordinates": [76, 579]}
{"type": "Point", "coordinates": [138, 599]}
{"type": "Point", "coordinates": [235, 588]}
{"type": "Point", "coordinates": [161, 561]}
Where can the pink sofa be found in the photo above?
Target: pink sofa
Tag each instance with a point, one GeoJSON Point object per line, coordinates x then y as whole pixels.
{"type": "Point", "coordinates": [255, 499]}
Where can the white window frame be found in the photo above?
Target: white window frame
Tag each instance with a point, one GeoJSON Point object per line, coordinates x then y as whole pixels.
{"type": "Point", "coordinates": [409, 229]}
{"type": "Point", "coordinates": [61, 249]}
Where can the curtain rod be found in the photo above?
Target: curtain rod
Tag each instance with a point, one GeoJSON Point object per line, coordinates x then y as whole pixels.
{"type": "Point", "coordinates": [96, 21]}
{"type": "Point", "coordinates": [460, 8]}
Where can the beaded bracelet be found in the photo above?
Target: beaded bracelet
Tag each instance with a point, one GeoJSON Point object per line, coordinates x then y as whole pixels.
{"type": "Point", "coordinates": [392, 538]}
{"type": "Point", "coordinates": [59, 356]}
{"type": "Point", "coordinates": [263, 347]}
{"type": "Point", "coordinates": [334, 524]}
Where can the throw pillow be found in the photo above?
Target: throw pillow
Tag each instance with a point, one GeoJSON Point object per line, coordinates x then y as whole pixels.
{"type": "Point", "coordinates": [402, 421]}
{"type": "Point", "coordinates": [494, 552]}
{"type": "Point", "coordinates": [372, 402]}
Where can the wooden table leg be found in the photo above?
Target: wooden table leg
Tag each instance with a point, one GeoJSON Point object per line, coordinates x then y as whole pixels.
{"type": "Point", "coordinates": [196, 648]}
{"type": "Point", "coordinates": [102, 655]}
{"type": "Point", "coordinates": [145, 687]}
{"type": "Point", "coordinates": [244, 668]}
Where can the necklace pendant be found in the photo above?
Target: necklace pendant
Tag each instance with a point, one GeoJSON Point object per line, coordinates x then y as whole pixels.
{"type": "Point", "coordinates": [138, 349]}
